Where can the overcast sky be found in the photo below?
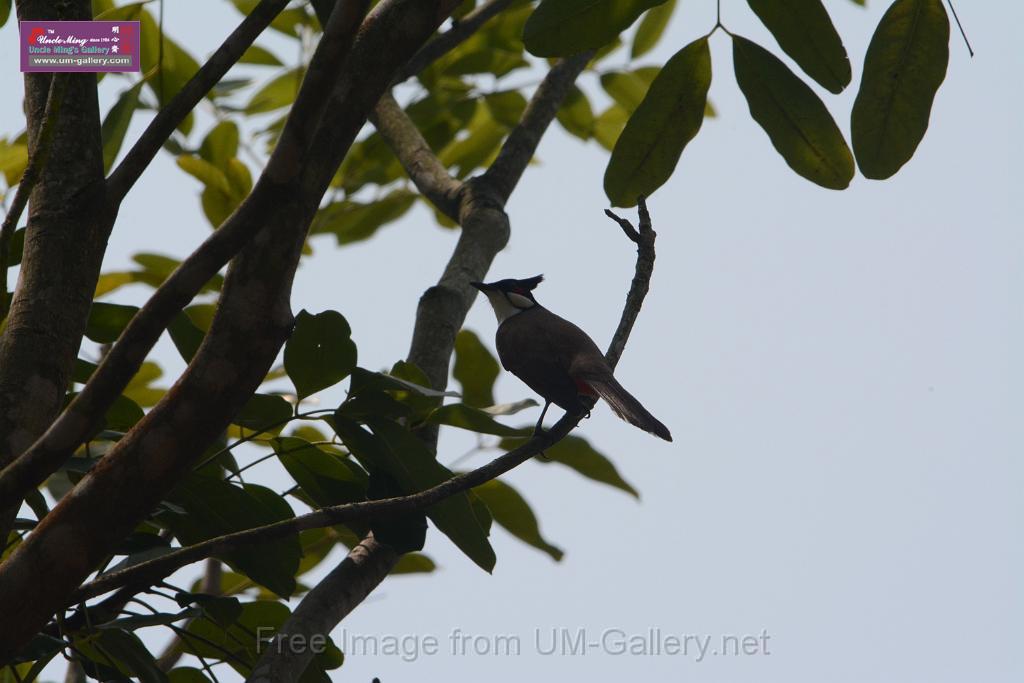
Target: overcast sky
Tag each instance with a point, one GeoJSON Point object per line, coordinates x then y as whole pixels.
{"type": "Point", "coordinates": [840, 370]}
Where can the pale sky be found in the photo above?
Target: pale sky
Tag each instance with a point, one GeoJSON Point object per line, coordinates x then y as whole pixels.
{"type": "Point", "coordinates": [840, 370]}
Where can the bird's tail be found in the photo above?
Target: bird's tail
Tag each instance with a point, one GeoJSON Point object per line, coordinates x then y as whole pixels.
{"type": "Point", "coordinates": [627, 407]}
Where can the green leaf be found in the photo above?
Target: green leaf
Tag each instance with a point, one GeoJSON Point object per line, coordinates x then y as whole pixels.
{"type": "Point", "coordinates": [480, 55]}
{"type": "Point", "coordinates": [214, 507]}
{"type": "Point", "coordinates": [106, 321]}
{"type": "Point", "coordinates": [511, 511]}
{"type": "Point", "coordinates": [205, 172]}
{"type": "Point", "coordinates": [289, 21]}
{"type": "Point", "coordinates": [139, 389]}
{"type": "Point", "coordinates": [5, 11]}
{"type": "Point", "coordinates": [328, 479]}
{"type": "Point", "coordinates": [237, 644]}
{"type": "Point", "coordinates": [404, 377]}
{"type": "Point", "coordinates": [414, 563]}
{"type": "Point", "coordinates": [186, 335]}
{"type": "Point", "coordinates": [805, 32]}
{"type": "Point", "coordinates": [155, 269]}
{"type": "Point", "coordinates": [374, 403]}
{"type": "Point", "coordinates": [506, 107]}
{"type": "Point", "coordinates": [351, 221]}
{"type": "Point", "coordinates": [123, 651]}
{"type": "Point", "coordinates": [220, 145]}
{"type": "Point", "coordinates": [116, 123]}
{"type": "Point", "coordinates": [406, 458]}
{"type": "Point", "coordinates": [576, 114]}
{"type": "Point", "coordinates": [796, 120]}
{"type": "Point", "coordinates": [471, 419]}
{"type": "Point", "coordinates": [122, 414]}
{"type": "Point", "coordinates": [478, 147]}
{"type": "Point", "coordinates": [264, 413]}
{"type": "Point", "coordinates": [560, 28]}
{"type": "Point", "coordinates": [903, 69]}
{"type": "Point", "coordinates": [576, 453]}
{"type": "Point", "coordinates": [17, 248]}
{"type": "Point", "coordinates": [278, 92]}
{"type": "Point", "coordinates": [628, 88]}
{"type": "Point", "coordinates": [222, 609]}
{"type": "Point", "coordinates": [258, 55]}
{"type": "Point", "coordinates": [187, 674]}
{"type": "Point", "coordinates": [320, 353]}
{"type": "Point", "coordinates": [13, 160]}
{"type": "Point", "coordinates": [166, 70]}
{"type": "Point", "coordinates": [609, 124]}
{"type": "Point", "coordinates": [670, 115]}
{"type": "Point", "coordinates": [651, 28]}
{"type": "Point", "coordinates": [82, 371]}
{"type": "Point", "coordinates": [475, 369]}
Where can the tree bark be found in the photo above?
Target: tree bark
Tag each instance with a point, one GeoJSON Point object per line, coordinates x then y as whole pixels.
{"type": "Point", "coordinates": [66, 236]}
{"type": "Point", "coordinates": [322, 608]}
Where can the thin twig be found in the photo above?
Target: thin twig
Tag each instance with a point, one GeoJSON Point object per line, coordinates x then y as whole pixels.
{"type": "Point", "coordinates": [154, 570]}
{"type": "Point", "coordinates": [40, 152]}
{"type": "Point", "coordinates": [645, 255]}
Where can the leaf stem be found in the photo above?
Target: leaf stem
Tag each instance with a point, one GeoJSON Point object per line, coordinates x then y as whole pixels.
{"type": "Point", "coordinates": [960, 26]}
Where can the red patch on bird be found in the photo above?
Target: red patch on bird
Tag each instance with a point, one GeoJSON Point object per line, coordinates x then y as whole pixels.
{"type": "Point", "coordinates": [584, 388]}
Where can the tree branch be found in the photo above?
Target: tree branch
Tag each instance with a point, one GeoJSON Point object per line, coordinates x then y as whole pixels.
{"type": "Point", "coordinates": [452, 38]}
{"type": "Point", "coordinates": [155, 570]}
{"type": "Point", "coordinates": [419, 161]}
{"type": "Point", "coordinates": [522, 142]}
{"type": "Point", "coordinates": [323, 607]}
{"type": "Point", "coordinates": [170, 117]}
{"type": "Point", "coordinates": [80, 419]}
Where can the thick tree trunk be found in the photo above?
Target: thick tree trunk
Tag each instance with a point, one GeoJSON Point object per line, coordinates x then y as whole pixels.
{"type": "Point", "coordinates": [68, 226]}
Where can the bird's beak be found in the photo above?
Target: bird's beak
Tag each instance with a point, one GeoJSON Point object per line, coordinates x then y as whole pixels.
{"type": "Point", "coordinates": [482, 286]}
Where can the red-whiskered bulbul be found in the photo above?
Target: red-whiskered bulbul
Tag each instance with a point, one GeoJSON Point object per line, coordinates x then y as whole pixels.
{"type": "Point", "coordinates": [555, 358]}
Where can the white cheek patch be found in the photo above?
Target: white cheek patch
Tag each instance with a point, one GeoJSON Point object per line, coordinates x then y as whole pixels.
{"type": "Point", "coordinates": [519, 300]}
{"type": "Point", "coordinates": [503, 308]}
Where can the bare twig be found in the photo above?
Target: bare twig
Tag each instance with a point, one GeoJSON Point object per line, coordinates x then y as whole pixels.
{"type": "Point", "coordinates": [171, 116]}
{"type": "Point", "coordinates": [40, 153]}
{"type": "Point", "coordinates": [156, 569]}
{"type": "Point", "coordinates": [644, 240]}
{"type": "Point", "coordinates": [522, 142]}
{"type": "Point", "coordinates": [430, 176]}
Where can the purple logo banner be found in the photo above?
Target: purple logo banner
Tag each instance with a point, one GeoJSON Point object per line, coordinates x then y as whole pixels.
{"type": "Point", "coordinates": [80, 46]}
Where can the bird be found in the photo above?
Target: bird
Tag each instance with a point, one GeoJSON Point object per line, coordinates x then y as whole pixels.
{"type": "Point", "coordinates": [556, 358]}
